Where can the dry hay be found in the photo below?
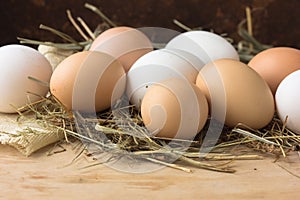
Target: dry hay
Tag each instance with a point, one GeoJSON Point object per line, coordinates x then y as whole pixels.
{"type": "Point", "coordinates": [122, 130]}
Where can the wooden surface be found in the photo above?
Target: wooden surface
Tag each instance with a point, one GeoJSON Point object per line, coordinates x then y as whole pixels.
{"type": "Point", "coordinates": [53, 177]}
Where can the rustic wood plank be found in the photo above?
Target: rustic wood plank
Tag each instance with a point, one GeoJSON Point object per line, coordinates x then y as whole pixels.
{"type": "Point", "coordinates": [51, 177]}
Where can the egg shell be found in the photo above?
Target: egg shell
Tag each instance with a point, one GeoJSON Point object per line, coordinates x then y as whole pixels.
{"type": "Point", "coordinates": [236, 93]}
{"type": "Point", "coordinates": [125, 43]}
{"type": "Point", "coordinates": [17, 63]}
{"type": "Point", "coordinates": [287, 100]}
{"type": "Point", "coordinates": [174, 109]}
{"type": "Point", "coordinates": [207, 46]}
{"type": "Point", "coordinates": [275, 64]}
{"type": "Point", "coordinates": [88, 81]}
{"type": "Point", "coordinates": [157, 66]}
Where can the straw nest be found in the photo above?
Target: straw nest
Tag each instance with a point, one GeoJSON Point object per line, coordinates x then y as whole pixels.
{"type": "Point", "coordinates": [121, 130]}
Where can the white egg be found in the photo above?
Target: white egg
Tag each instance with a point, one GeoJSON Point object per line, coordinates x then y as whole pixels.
{"type": "Point", "coordinates": [17, 64]}
{"type": "Point", "coordinates": [287, 99]}
{"type": "Point", "coordinates": [160, 65]}
{"type": "Point", "coordinates": [205, 45]}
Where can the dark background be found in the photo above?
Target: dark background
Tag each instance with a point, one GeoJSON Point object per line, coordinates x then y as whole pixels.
{"type": "Point", "coordinates": [275, 22]}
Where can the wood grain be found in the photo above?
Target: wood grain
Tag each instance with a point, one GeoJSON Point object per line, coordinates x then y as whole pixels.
{"type": "Point", "coordinates": [53, 177]}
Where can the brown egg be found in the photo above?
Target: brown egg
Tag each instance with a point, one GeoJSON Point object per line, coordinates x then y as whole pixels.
{"type": "Point", "coordinates": [236, 93]}
{"type": "Point", "coordinates": [275, 64]}
{"type": "Point", "coordinates": [88, 81]}
{"type": "Point", "coordinates": [174, 109]}
{"type": "Point", "coordinates": [125, 43]}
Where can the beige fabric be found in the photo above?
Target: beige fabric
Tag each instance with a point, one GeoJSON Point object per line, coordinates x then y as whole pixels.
{"type": "Point", "coordinates": [26, 135]}
{"type": "Point", "coordinates": [54, 55]}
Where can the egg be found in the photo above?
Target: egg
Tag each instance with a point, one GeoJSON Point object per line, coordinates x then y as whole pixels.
{"type": "Point", "coordinates": [125, 43]}
{"type": "Point", "coordinates": [17, 64]}
{"type": "Point", "coordinates": [236, 93]}
{"type": "Point", "coordinates": [157, 66]}
{"type": "Point", "coordinates": [174, 108]}
{"type": "Point", "coordinates": [88, 81]}
{"type": "Point", "coordinates": [207, 46]}
{"type": "Point", "coordinates": [275, 64]}
{"type": "Point", "coordinates": [287, 100]}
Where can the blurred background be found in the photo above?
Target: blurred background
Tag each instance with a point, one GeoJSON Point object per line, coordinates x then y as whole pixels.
{"type": "Point", "coordinates": [275, 22]}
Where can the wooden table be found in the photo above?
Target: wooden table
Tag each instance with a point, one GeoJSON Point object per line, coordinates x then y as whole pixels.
{"type": "Point", "coordinates": [53, 177]}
